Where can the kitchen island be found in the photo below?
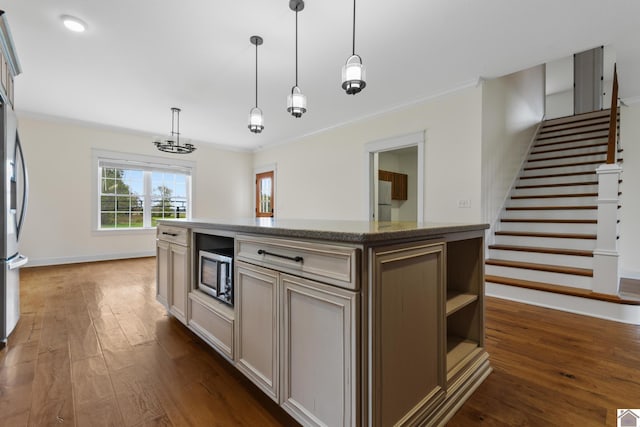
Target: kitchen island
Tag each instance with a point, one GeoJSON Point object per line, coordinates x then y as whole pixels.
{"type": "Point", "coordinates": [342, 323]}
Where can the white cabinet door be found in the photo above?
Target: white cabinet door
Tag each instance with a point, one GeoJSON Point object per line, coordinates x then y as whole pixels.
{"type": "Point", "coordinates": [178, 286]}
{"type": "Point", "coordinates": [319, 326]}
{"type": "Point", "coordinates": [257, 333]}
{"type": "Point", "coordinates": [163, 262]}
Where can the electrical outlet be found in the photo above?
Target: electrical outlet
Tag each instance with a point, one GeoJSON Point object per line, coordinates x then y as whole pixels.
{"type": "Point", "coordinates": [466, 203]}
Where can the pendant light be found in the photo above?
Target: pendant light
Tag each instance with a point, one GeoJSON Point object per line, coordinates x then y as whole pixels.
{"type": "Point", "coordinates": [255, 115]}
{"type": "Point", "coordinates": [172, 144]}
{"type": "Point", "coordinates": [353, 72]}
{"type": "Point", "coordinates": [296, 101]}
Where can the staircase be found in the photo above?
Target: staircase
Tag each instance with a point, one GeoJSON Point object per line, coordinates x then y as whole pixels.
{"type": "Point", "coordinates": [547, 231]}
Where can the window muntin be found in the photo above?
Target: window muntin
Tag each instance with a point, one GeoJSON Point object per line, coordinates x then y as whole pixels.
{"type": "Point", "coordinates": [135, 195]}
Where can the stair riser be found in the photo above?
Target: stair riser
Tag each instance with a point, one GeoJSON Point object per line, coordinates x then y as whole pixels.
{"type": "Point", "coordinates": [540, 258]}
{"type": "Point", "coordinates": [575, 120]}
{"type": "Point", "coordinates": [547, 242]}
{"type": "Point", "coordinates": [542, 145]}
{"type": "Point", "coordinates": [552, 214]}
{"type": "Point", "coordinates": [558, 179]}
{"type": "Point", "coordinates": [560, 169]}
{"type": "Point", "coordinates": [573, 189]}
{"type": "Point", "coordinates": [572, 131]}
{"type": "Point", "coordinates": [548, 126]}
{"type": "Point", "coordinates": [536, 227]}
{"type": "Point", "coordinates": [593, 135]}
{"type": "Point", "coordinates": [580, 151]}
{"type": "Point", "coordinates": [541, 276]}
{"type": "Point", "coordinates": [560, 162]}
{"type": "Point", "coordinates": [555, 201]}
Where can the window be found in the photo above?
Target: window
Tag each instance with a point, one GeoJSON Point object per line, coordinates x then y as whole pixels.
{"type": "Point", "coordinates": [135, 194]}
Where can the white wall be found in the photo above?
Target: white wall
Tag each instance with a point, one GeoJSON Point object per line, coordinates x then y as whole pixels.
{"type": "Point", "coordinates": [512, 108]}
{"type": "Point", "coordinates": [58, 226]}
{"type": "Point", "coordinates": [629, 244]}
{"type": "Point", "coordinates": [323, 175]}
{"type": "Point", "coordinates": [559, 87]}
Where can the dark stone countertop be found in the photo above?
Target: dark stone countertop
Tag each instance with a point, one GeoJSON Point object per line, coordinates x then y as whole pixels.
{"type": "Point", "coordinates": [329, 230]}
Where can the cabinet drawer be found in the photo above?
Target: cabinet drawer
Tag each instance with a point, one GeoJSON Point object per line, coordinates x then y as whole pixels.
{"type": "Point", "coordinates": [171, 234]}
{"type": "Point", "coordinates": [212, 325]}
{"type": "Point", "coordinates": [331, 264]}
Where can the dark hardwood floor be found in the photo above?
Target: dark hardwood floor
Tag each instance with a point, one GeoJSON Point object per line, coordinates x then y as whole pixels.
{"type": "Point", "coordinates": [94, 348]}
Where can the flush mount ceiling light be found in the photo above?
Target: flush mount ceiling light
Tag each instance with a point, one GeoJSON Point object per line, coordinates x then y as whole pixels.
{"type": "Point", "coordinates": [73, 24]}
{"type": "Point", "coordinates": [255, 115]}
{"type": "Point", "coordinates": [296, 101]}
{"type": "Point", "coordinates": [172, 144]}
{"type": "Point", "coordinates": [353, 72]}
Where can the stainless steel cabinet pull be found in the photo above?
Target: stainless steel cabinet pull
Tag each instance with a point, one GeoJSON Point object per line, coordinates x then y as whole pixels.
{"type": "Point", "coordinates": [170, 234]}
{"type": "Point", "coordinates": [296, 258]}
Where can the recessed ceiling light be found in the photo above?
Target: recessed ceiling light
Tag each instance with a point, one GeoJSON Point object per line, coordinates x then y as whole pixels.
{"type": "Point", "coordinates": [73, 24]}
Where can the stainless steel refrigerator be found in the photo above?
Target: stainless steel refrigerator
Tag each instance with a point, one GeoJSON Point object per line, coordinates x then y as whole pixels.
{"type": "Point", "coordinates": [14, 203]}
{"type": "Point", "coordinates": [384, 201]}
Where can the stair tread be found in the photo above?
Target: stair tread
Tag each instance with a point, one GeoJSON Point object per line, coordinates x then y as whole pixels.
{"type": "Point", "coordinates": [559, 289]}
{"type": "Point", "coordinates": [559, 175]}
{"type": "Point", "coordinates": [551, 221]}
{"type": "Point", "coordinates": [550, 235]}
{"type": "Point", "coordinates": [568, 156]}
{"type": "Point", "coordinates": [550, 208]}
{"type": "Point", "coordinates": [553, 196]}
{"type": "Point", "coordinates": [584, 132]}
{"type": "Point", "coordinates": [554, 150]}
{"type": "Point", "coordinates": [598, 121]}
{"type": "Point", "coordinates": [565, 165]}
{"type": "Point", "coordinates": [588, 138]}
{"type": "Point", "coordinates": [554, 251]}
{"type": "Point", "coordinates": [575, 118]}
{"type": "Point", "coordinates": [586, 272]}
{"type": "Point", "coordinates": [561, 184]}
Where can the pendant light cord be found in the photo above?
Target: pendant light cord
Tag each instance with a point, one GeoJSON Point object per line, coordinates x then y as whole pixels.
{"type": "Point", "coordinates": [178, 126]}
{"type": "Point", "coordinates": [256, 74]}
{"type": "Point", "coordinates": [296, 46]}
{"type": "Point", "coordinates": [354, 27]}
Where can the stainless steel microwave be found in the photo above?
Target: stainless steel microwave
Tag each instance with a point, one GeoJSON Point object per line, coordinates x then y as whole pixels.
{"type": "Point", "coordinates": [215, 275]}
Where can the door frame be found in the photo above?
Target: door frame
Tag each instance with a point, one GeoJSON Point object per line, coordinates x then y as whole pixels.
{"type": "Point", "coordinates": [262, 169]}
{"type": "Point", "coordinates": [372, 148]}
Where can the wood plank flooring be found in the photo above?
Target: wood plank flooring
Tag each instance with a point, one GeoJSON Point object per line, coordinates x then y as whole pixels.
{"type": "Point", "coordinates": [94, 348]}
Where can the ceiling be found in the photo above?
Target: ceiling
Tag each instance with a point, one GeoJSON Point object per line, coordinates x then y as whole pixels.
{"type": "Point", "coordinates": [140, 58]}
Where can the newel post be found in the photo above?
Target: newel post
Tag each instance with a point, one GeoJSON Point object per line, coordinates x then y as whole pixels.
{"type": "Point", "coordinates": [605, 255]}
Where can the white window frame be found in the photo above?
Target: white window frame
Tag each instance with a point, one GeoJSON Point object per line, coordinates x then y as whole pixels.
{"type": "Point", "coordinates": [135, 161]}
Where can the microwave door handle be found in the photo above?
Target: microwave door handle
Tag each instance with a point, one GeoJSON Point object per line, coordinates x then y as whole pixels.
{"type": "Point", "coordinates": [25, 186]}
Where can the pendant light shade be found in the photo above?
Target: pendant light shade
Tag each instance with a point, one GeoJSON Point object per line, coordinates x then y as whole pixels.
{"type": "Point", "coordinates": [296, 101]}
{"type": "Point", "coordinates": [353, 72]}
{"type": "Point", "coordinates": [172, 143]}
{"type": "Point", "coordinates": [353, 75]}
{"type": "Point", "coordinates": [256, 121]}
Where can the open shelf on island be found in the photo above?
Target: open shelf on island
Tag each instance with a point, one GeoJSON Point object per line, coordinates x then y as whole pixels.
{"type": "Point", "coordinates": [459, 300]}
{"type": "Point", "coordinates": [458, 349]}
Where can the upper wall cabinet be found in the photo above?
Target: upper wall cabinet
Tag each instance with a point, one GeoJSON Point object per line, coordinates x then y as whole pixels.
{"type": "Point", "coordinates": [9, 65]}
{"type": "Point", "coordinates": [398, 183]}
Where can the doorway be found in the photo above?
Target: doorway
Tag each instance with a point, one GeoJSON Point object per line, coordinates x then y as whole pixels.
{"type": "Point", "coordinates": [265, 194]}
{"type": "Point", "coordinates": [395, 178]}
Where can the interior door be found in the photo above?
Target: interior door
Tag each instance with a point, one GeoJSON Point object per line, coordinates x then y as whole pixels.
{"type": "Point", "coordinates": [265, 192]}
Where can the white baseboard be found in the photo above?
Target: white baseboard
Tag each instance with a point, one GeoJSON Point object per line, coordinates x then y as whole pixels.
{"type": "Point", "coordinates": [39, 262]}
{"type": "Point", "coordinates": [630, 274]}
{"type": "Point", "coordinates": [588, 307]}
